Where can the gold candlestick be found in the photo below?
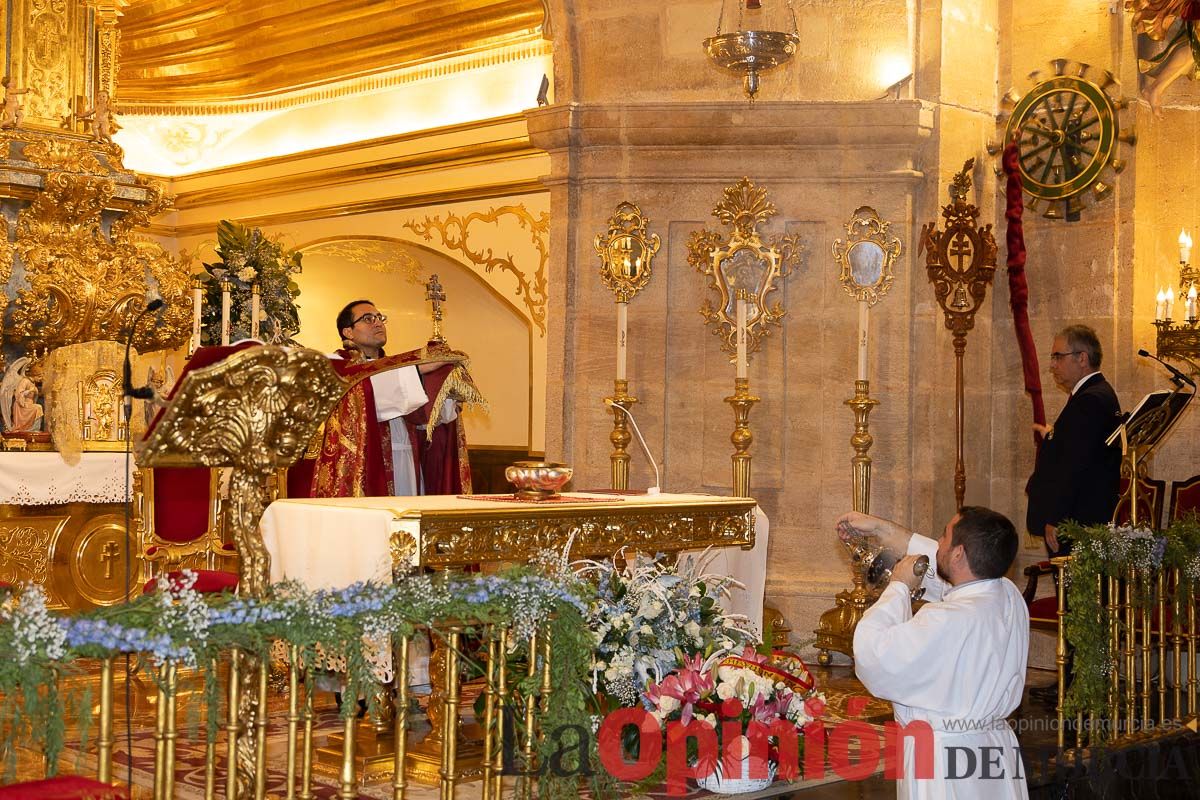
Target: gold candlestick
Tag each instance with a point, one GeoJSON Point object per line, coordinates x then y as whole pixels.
{"type": "Point", "coordinates": [861, 441]}
{"type": "Point", "coordinates": [620, 436]}
{"type": "Point", "coordinates": [742, 401]}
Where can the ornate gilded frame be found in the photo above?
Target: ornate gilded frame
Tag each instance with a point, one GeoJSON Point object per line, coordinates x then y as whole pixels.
{"type": "Point", "coordinates": [865, 229]}
{"type": "Point", "coordinates": [726, 264]}
{"type": "Point", "coordinates": [626, 252]}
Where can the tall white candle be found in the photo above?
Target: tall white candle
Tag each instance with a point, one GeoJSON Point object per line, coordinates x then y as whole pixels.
{"type": "Point", "coordinates": [254, 313]}
{"type": "Point", "coordinates": [863, 319]}
{"type": "Point", "coordinates": [1185, 247]}
{"type": "Point", "coordinates": [622, 337]}
{"type": "Point", "coordinates": [1191, 303]}
{"type": "Point", "coordinates": [1170, 302]}
{"type": "Point", "coordinates": [225, 313]}
{"type": "Point", "coordinates": [1160, 305]}
{"type": "Point", "coordinates": [197, 302]}
{"type": "Point", "coordinates": [742, 358]}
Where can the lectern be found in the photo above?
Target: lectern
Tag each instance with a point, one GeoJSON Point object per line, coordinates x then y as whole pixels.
{"type": "Point", "coordinates": [1142, 432]}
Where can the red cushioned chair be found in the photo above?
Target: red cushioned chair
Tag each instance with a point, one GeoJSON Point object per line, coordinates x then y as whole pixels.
{"type": "Point", "coordinates": [63, 787]}
{"type": "Point", "coordinates": [1151, 494]}
{"type": "Point", "coordinates": [1185, 499]}
{"type": "Point", "coordinates": [178, 519]}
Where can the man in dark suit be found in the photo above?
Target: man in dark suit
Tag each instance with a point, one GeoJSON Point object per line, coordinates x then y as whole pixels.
{"type": "Point", "coordinates": [1077, 476]}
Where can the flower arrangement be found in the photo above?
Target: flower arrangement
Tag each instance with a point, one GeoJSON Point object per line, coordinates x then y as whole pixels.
{"type": "Point", "coordinates": [650, 616]}
{"type": "Point", "coordinates": [1111, 551]}
{"type": "Point", "coordinates": [249, 258]}
{"type": "Point", "coordinates": [747, 692]}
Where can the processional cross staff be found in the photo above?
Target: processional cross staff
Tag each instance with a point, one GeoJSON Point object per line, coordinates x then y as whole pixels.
{"type": "Point", "coordinates": [435, 295]}
{"type": "Point", "coordinates": [960, 288]}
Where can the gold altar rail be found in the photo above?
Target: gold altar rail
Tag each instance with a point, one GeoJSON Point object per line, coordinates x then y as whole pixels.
{"type": "Point", "coordinates": [1151, 647]}
{"type": "Point", "coordinates": [245, 685]}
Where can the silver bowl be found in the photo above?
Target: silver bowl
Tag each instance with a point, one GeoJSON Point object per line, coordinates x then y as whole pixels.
{"type": "Point", "coordinates": [537, 480]}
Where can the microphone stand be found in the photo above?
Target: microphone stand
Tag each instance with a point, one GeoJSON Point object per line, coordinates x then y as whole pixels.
{"type": "Point", "coordinates": [129, 393]}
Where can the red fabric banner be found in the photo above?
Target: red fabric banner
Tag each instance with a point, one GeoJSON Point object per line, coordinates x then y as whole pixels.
{"type": "Point", "coordinates": [1018, 288]}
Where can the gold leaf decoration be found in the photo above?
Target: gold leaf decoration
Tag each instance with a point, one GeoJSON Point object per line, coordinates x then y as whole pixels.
{"type": "Point", "coordinates": [454, 231]}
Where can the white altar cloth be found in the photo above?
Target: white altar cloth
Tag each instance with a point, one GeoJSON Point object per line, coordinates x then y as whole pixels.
{"type": "Point", "coordinates": [38, 479]}
{"type": "Point", "coordinates": [330, 543]}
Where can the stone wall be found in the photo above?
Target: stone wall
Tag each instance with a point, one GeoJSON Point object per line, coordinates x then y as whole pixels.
{"type": "Point", "coordinates": [641, 116]}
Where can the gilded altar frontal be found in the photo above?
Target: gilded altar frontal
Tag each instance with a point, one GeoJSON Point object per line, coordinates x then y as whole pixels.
{"type": "Point", "coordinates": [363, 346]}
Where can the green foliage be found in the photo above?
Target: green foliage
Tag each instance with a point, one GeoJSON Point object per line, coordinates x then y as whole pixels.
{"type": "Point", "coordinates": [177, 624]}
{"type": "Point", "coordinates": [1102, 552]}
{"type": "Point", "coordinates": [248, 258]}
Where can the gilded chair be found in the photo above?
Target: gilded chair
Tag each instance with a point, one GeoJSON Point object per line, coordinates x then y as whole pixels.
{"type": "Point", "coordinates": [1185, 499]}
{"type": "Point", "coordinates": [178, 519]}
{"type": "Point", "coordinates": [1151, 494]}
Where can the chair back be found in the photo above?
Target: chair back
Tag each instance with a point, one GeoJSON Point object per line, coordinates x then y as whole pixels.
{"type": "Point", "coordinates": [1185, 499]}
{"type": "Point", "coordinates": [1150, 496]}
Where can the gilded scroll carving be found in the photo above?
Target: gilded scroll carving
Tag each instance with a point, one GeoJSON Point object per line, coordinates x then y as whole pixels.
{"type": "Point", "coordinates": [25, 553]}
{"type": "Point", "coordinates": [454, 230]}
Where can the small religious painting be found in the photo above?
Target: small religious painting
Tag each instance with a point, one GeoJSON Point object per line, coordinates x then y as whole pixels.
{"type": "Point", "coordinates": [20, 408]}
{"type": "Point", "coordinates": [162, 380]}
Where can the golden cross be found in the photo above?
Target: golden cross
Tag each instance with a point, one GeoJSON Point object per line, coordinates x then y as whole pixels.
{"type": "Point", "coordinates": [108, 554]}
{"type": "Point", "coordinates": [435, 295]}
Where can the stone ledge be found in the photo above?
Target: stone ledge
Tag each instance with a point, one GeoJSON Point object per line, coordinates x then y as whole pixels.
{"type": "Point", "coordinates": [734, 124]}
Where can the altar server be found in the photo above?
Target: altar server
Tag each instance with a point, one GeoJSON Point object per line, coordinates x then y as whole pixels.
{"type": "Point", "coordinates": [958, 664]}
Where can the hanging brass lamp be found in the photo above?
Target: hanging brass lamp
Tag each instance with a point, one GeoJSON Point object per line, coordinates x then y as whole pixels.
{"type": "Point", "coordinates": [752, 48]}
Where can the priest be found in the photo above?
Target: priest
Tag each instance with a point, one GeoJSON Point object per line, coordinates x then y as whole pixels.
{"type": "Point", "coordinates": [954, 670]}
{"type": "Point", "coordinates": [397, 431]}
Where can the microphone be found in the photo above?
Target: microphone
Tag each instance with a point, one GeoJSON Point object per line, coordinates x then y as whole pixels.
{"type": "Point", "coordinates": [154, 302]}
{"type": "Point", "coordinates": [608, 401]}
{"type": "Point", "coordinates": [1178, 376]}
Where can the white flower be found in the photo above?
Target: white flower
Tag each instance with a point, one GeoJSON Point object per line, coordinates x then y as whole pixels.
{"type": "Point", "coordinates": [692, 629]}
{"type": "Point", "coordinates": [247, 274]}
{"type": "Point", "coordinates": [667, 704]}
{"type": "Point", "coordinates": [725, 690]}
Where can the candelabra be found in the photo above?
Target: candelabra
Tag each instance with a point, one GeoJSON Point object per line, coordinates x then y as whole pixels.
{"type": "Point", "coordinates": [1180, 341]}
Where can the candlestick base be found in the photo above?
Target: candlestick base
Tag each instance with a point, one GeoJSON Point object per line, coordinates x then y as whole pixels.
{"type": "Point", "coordinates": [620, 436]}
{"type": "Point", "coordinates": [861, 441]}
{"type": "Point", "coordinates": [741, 401]}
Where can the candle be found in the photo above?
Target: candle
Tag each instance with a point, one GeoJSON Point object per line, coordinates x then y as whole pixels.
{"type": "Point", "coordinates": [863, 309]}
{"type": "Point", "coordinates": [197, 302]}
{"type": "Point", "coordinates": [1160, 305]}
{"type": "Point", "coordinates": [1170, 302]}
{"type": "Point", "coordinates": [622, 330]}
{"type": "Point", "coordinates": [1185, 247]}
{"type": "Point", "coordinates": [254, 311]}
{"type": "Point", "coordinates": [1191, 304]}
{"type": "Point", "coordinates": [742, 359]}
{"type": "Point", "coordinates": [225, 286]}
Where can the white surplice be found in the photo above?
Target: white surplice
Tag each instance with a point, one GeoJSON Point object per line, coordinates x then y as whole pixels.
{"type": "Point", "coordinates": [958, 664]}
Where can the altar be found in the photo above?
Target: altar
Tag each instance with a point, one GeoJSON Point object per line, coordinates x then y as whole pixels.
{"type": "Point", "coordinates": [333, 542]}
{"type": "Point", "coordinates": [62, 526]}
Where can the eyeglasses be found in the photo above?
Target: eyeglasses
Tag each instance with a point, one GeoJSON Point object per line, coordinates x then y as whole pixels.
{"type": "Point", "coordinates": [370, 318]}
{"type": "Point", "coordinates": [1057, 356]}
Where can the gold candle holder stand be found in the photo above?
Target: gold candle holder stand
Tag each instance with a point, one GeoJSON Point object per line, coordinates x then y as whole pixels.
{"type": "Point", "coordinates": [835, 631]}
{"type": "Point", "coordinates": [620, 436]}
{"type": "Point", "coordinates": [741, 401]}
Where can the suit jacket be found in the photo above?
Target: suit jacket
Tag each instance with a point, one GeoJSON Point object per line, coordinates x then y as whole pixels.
{"type": "Point", "coordinates": [1077, 477]}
